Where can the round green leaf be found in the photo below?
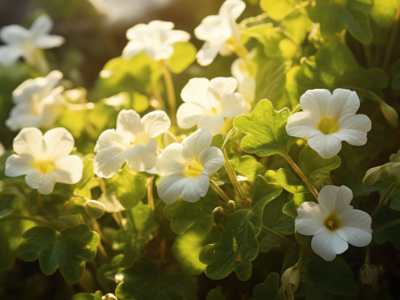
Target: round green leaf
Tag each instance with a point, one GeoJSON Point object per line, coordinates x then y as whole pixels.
{"type": "Point", "coordinates": [184, 54]}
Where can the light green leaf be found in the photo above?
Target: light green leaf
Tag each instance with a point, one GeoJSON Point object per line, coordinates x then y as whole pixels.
{"type": "Point", "coordinates": [8, 199]}
{"type": "Point", "coordinates": [214, 295]}
{"type": "Point", "coordinates": [302, 195]}
{"type": "Point", "coordinates": [87, 172]}
{"type": "Point", "coordinates": [288, 181]}
{"type": "Point", "coordinates": [184, 54]}
{"type": "Point", "coordinates": [383, 12]}
{"type": "Point", "coordinates": [67, 250]}
{"type": "Point", "coordinates": [265, 129]}
{"type": "Point", "coordinates": [217, 141]}
{"type": "Point", "coordinates": [144, 281]}
{"type": "Point", "coordinates": [268, 289]}
{"type": "Point", "coordinates": [277, 9]}
{"type": "Point", "coordinates": [248, 166]}
{"type": "Point", "coordinates": [183, 214]}
{"type": "Point", "coordinates": [86, 296]}
{"type": "Point", "coordinates": [188, 245]}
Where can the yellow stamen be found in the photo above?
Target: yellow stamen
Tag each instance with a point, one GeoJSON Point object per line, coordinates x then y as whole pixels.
{"type": "Point", "coordinates": [332, 222]}
{"type": "Point", "coordinates": [193, 169]}
{"type": "Point", "coordinates": [328, 125]}
{"type": "Point", "coordinates": [44, 166]}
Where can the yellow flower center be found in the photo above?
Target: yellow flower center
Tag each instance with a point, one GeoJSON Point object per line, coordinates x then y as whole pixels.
{"type": "Point", "coordinates": [328, 125]}
{"type": "Point", "coordinates": [140, 139]}
{"type": "Point", "coordinates": [44, 166]}
{"type": "Point", "coordinates": [332, 222]}
{"type": "Point", "coordinates": [193, 169]}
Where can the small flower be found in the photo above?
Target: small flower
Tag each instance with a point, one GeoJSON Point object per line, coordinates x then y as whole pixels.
{"type": "Point", "coordinates": [333, 222]}
{"type": "Point", "coordinates": [327, 120]}
{"type": "Point", "coordinates": [185, 168]}
{"type": "Point", "coordinates": [246, 83]}
{"type": "Point", "coordinates": [216, 31]}
{"type": "Point", "coordinates": [290, 282]}
{"type": "Point", "coordinates": [133, 143]}
{"type": "Point", "coordinates": [209, 102]}
{"type": "Point", "coordinates": [21, 42]}
{"type": "Point", "coordinates": [44, 159]}
{"type": "Point", "coordinates": [156, 39]}
{"type": "Point", "coordinates": [38, 102]}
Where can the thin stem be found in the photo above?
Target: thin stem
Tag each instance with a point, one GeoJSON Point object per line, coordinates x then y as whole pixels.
{"type": "Point", "coordinates": [118, 218]}
{"type": "Point", "coordinates": [392, 41]}
{"type": "Point", "coordinates": [97, 228]}
{"type": "Point", "coordinates": [302, 176]}
{"type": "Point", "coordinates": [169, 85]}
{"type": "Point", "coordinates": [384, 199]}
{"type": "Point", "coordinates": [150, 198]}
{"type": "Point", "coordinates": [364, 91]}
{"type": "Point", "coordinates": [386, 226]}
{"type": "Point", "coordinates": [39, 221]}
{"type": "Point", "coordinates": [232, 176]}
{"type": "Point", "coordinates": [277, 235]}
{"type": "Point", "coordinates": [157, 95]}
{"type": "Point", "coordinates": [219, 191]}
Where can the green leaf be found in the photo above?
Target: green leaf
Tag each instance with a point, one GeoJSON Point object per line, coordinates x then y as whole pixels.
{"type": "Point", "coordinates": [334, 17]}
{"type": "Point", "coordinates": [288, 181]}
{"type": "Point", "coordinates": [183, 214]}
{"type": "Point", "coordinates": [184, 54]}
{"type": "Point", "coordinates": [67, 250]}
{"type": "Point", "coordinates": [302, 195]}
{"type": "Point", "coordinates": [265, 129]}
{"type": "Point", "coordinates": [214, 295]}
{"type": "Point", "coordinates": [188, 245]}
{"type": "Point", "coordinates": [391, 234]}
{"type": "Point", "coordinates": [396, 77]}
{"type": "Point", "coordinates": [248, 166]}
{"type": "Point", "coordinates": [8, 200]}
{"type": "Point", "coordinates": [144, 281]}
{"type": "Point", "coordinates": [277, 9]}
{"type": "Point", "coordinates": [383, 12]}
{"type": "Point", "coordinates": [106, 273]}
{"type": "Point", "coordinates": [268, 289]}
{"type": "Point", "coordinates": [128, 186]}
{"type": "Point", "coordinates": [87, 173]}
{"type": "Point", "coordinates": [86, 296]}
{"type": "Point", "coordinates": [238, 245]}
{"type": "Point", "coordinates": [326, 278]}
{"type": "Point", "coordinates": [217, 141]}
{"type": "Point", "coordinates": [314, 167]}
{"type": "Point", "coordinates": [136, 233]}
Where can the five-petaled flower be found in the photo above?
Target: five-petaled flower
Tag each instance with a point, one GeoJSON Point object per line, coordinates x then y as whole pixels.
{"type": "Point", "coordinates": [38, 102]}
{"type": "Point", "coordinates": [44, 159]}
{"type": "Point", "coordinates": [207, 103]}
{"type": "Point", "coordinates": [132, 142]}
{"type": "Point", "coordinates": [185, 167]}
{"type": "Point", "coordinates": [22, 42]}
{"type": "Point", "coordinates": [218, 31]}
{"type": "Point", "coordinates": [156, 39]}
{"type": "Point", "coordinates": [333, 222]}
{"type": "Point", "coordinates": [327, 120]}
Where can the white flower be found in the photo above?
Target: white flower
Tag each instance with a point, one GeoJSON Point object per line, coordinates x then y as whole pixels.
{"type": "Point", "coordinates": [209, 102]}
{"type": "Point", "coordinates": [329, 119]}
{"type": "Point", "coordinates": [44, 159]}
{"type": "Point", "coordinates": [2, 149]}
{"type": "Point", "coordinates": [217, 30]}
{"type": "Point", "coordinates": [333, 222]}
{"type": "Point", "coordinates": [132, 142]}
{"type": "Point", "coordinates": [38, 102]}
{"type": "Point", "coordinates": [21, 42]}
{"type": "Point", "coordinates": [246, 83]}
{"type": "Point", "coordinates": [185, 167]}
{"type": "Point", "coordinates": [156, 39]}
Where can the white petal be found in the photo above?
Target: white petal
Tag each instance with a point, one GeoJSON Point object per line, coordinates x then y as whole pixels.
{"type": "Point", "coordinates": [327, 244]}
{"type": "Point", "coordinates": [156, 123]}
{"type": "Point", "coordinates": [212, 160]}
{"type": "Point", "coordinates": [171, 186]}
{"type": "Point", "coordinates": [303, 124]}
{"type": "Point", "coordinates": [111, 203]}
{"type": "Point", "coordinates": [354, 130]}
{"type": "Point", "coordinates": [14, 34]}
{"type": "Point", "coordinates": [160, 53]}
{"type": "Point", "coordinates": [161, 25]}
{"type": "Point", "coordinates": [221, 86]}
{"type": "Point", "coordinates": [44, 183]}
{"type": "Point", "coordinates": [132, 49]}
{"type": "Point", "coordinates": [343, 102]}
{"type": "Point", "coordinates": [212, 124]}
{"type": "Point", "coordinates": [208, 52]}
{"type": "Point", "coordinates": [171, 159]}
{"type": "Point", "coordinates": [232, 9]}
{"type": "Point", "coordinates": [335, 198]}
{"type": "Point", "coordinates": [310, 213]}
{"type": "Point", "coordinates": [315, 101]}
{"type": "Point", "coordinates": [198, 141]}
{"type": "Point", "coordinates": [189, 115]}
{"type": "Point", "coordinates": [29, 141]}
{"type": "Point", "coordinates": [308, 226]}
{"type": "Point", "coordinates": [357, 227]}
{"type": "Point", "coordinates": [128, 122]}
{"type": "Point", "coordinates": [110, 138]}
{"type": "Point", "coordinates": [58, 142]}
{"type": "Point", "coordinates": [205, 31]}
{"type": "Point", "coordinates": [108, 161]}
{"type": "Point", "coordinates": [233, 105]}
{"type": "Point", "coordinates": [68, 169]}
{"type": "Point", "coordinates": [9, 54]}
{"type": "Point", "coordinates": [327, 146]}
{"type": "Point", "coordinates": [140, 158]}
{"type": "Point", "coordinates": [42, 25]}
{"type": "Point", "coordinates": [49, 41]}
{"type": "Point", "coordinates": [195, 188]}
{"type": "Point", "coordinates": [17, 165]}
{"type": "Point", "coordinates": [195, 91]}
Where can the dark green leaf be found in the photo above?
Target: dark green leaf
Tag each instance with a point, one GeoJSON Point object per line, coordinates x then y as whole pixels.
{"type": "Point", "coordinates": [268, 289]}
{"type": "Point", "coordinates": [86, 296]}
{"type": "Point", "coordinates": [391, 234]}
{"type": "Point", "coordinates": [214, 295]}
{"type": "Point", "coordinates": [302, 195]}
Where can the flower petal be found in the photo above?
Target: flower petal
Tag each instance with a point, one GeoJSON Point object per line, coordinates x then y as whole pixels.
{"type": "Point", "coordinates": [58, 142]}
{"type": "Point", "coordinates": [212, 124]}
{"type": "Point", "coordinates": [310, 218]}
{"type": "Point", "coordinates": [327, 244]}
{"type": "Point", "coordinates": [334, 198]}
{"type": "Point", "coordinates": [156, 123]}
{"type": "Point", "coordinates": [49, 41]}
{"type": "Point", "coordinates": [14, 34]}
{"type": "Point", "coordinates": [29, 141]}
{"type": "Point", "coordinates": [303, 124]}
{"type": "Point", "coordinates": [171, 159]}
{"type": "Point", "coordinates": [68, 169]}
{"type": "Point", "coordinates": [110, 138]}
{"type": "Point", "coordinates": [357, 219]}
{"type": "Point", "coordinates": [171, 186]}
{"type": "Point", "coordinates": [221, 86]}
{"type": "Point", "coordinates": [194, 144]}
{"type": "Point", "coordinates": [195, 188]}
{"type": "Point", "coordinates": [41, 26]}
{"type": "Point", "coordinates": [207, 27]}
{"type": "Point", "coordinates": [233, 105]}
{"type": "Point", "coordinates": [357, 237]}
{"type": "Point", "coordinates": [132, 49]}
{"type": "Point", "coordinates": [232, 9]}
{"type": "Point", "coordinates": [354, 130]}
{"type": "Point", "coordinates": [189, 115]}
{"type": "Point", "coordinates": [9, 54]}
{"type": "Point", "coordinates": [208, 52]}
{"type": "Point", "coordinates": [17, 165]}
{"type": "Point", "coordinates": [327, 146]}
{"type": "Point", "coordinates": [108, 161]}
{"type": "Point", "coordinates": [44, 183]}
{"type": "Point", "coordinates": [195, 91]}
{"type": "Point", "coordinates": [342, 102]}
{"type": "Point", "coordinates": [212, 160]}
{"type": "Point", "coordinates": [140, 158]}
{"type": "Point", "coordinates": [128, 123]}
{"type": "Point", "coordinates": [316, 101]}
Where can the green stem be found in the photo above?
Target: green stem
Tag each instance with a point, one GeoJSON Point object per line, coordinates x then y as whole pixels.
{"type": "Point", "coordinates": [386, 226]}
{"type": "Point", "coordinates": [232, 176]}
{"type": "Point", "coordinates": [277, 235]}
{"type": "Point", "coordinates": [150, 198]}
{"type": "Point", "coordinates": [392, 41]}
{"type": "Point", "coordinates": [302, 176]}
{"type": "Point", "coordinates": [157, 95]}
{"type": "Point", "coordinates": [39, 221]}
{"type": "Point", "coordinates": [219, 191]}
{"type": "Point", "coordinates": [169, 85]}
{"type": "Point", "coordinates": [384, 199]}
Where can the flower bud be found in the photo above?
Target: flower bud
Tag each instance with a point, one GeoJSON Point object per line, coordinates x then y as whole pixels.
{"type": "Point", "coordinates": [369, 274]}
{"type": "Point", "coordinates": [290, 282]}
{"type": "Point", "coordinates": [218, 209]}
{"type": "Point", "coordinates": [390, 113]}
{"type": "Point", "coordinates": [169, 138]}
{"type": "Point", "coordinates": [392, 171]}
{"type": "Point", "coordinates": [371, 176]}
{"type": "Point", "coordinates": [231, 205]}
{"type": "Point", "coordinates": [95, 209]}
{"type": "Point", "coordinates": [109, 296]}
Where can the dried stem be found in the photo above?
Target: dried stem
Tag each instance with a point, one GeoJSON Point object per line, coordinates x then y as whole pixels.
{"type": "Point", "coordinates": [150, 198]}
